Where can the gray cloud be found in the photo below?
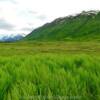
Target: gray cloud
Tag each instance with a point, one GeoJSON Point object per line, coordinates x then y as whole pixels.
{"type": "Point", "coordinates": [42, 17]}
{"type": "Point", "coordinates": [32, 12]}
{"type": "Point", "coordinates": [30, 24]}
{"type": "Point", "coordinates": [5, 25]}
{"type": "Point", "coordinates": [37, 15]}
{"type": "Point", "coordinates": [27, 13]}
{"type": "Point", "coordinates": [27, 29]}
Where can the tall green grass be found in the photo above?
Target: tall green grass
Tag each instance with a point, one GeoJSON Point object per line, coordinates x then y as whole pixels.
{"type": "Point", "coordinates": [50, 77]}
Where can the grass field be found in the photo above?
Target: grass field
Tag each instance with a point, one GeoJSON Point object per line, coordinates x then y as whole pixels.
{"type": "Point", "coordinates": [30, 48]}
{"type": "Point", "coordinates": [50, 71]}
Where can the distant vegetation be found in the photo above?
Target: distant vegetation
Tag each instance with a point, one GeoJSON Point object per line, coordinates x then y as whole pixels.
{"type": "Point", "coordinates": [31, 48]}
{"type": "Point", "coordinates": [84, 26]}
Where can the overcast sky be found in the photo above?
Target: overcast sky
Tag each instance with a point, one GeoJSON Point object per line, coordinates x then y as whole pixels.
{"type": "Point", "coordinates": [22, 16]}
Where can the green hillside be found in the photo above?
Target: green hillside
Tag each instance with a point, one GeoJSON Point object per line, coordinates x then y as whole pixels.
{"type": "Point", "coordinates": [83, 26]}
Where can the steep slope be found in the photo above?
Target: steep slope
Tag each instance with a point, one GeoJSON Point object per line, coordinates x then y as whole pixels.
{"type": "Point", "coordinates": [83, 26]}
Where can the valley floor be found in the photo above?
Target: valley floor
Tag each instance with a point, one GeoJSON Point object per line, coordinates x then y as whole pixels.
{"type": "Point", "coordinates": [50, 71]}
{"type": "Point", "coordinates": [30, 48]}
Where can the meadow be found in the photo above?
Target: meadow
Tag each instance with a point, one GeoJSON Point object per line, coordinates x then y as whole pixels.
{"type": "Point", "coordinates": [50, 71]}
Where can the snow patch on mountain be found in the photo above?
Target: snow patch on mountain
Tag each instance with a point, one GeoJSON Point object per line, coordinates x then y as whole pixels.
{"type": "Point", "coordinates": [11, 37]}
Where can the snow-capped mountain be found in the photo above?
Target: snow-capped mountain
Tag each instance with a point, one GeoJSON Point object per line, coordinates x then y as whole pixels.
{"type": "Point", "coordinates": [91, 12]}
{"type": "Point", "coordinates": [11, 37]}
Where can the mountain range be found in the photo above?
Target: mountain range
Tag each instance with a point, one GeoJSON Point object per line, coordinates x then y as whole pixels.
{"type": "Point", "coordinates": [82, 26]}
{"type": "Point", "coordinates": [11, 37]}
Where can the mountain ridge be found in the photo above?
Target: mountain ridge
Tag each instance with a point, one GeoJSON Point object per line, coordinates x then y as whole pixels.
{"type": "Point", "coordinates": [83, 26]}
{"type": "Point", "coordinates": [11, 37]}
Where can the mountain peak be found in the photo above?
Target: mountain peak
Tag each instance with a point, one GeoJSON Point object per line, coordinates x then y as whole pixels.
{"type": "Point", "coordinates": [95, 12]}
{"type": "Point", "coordinates": [10, 37]}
